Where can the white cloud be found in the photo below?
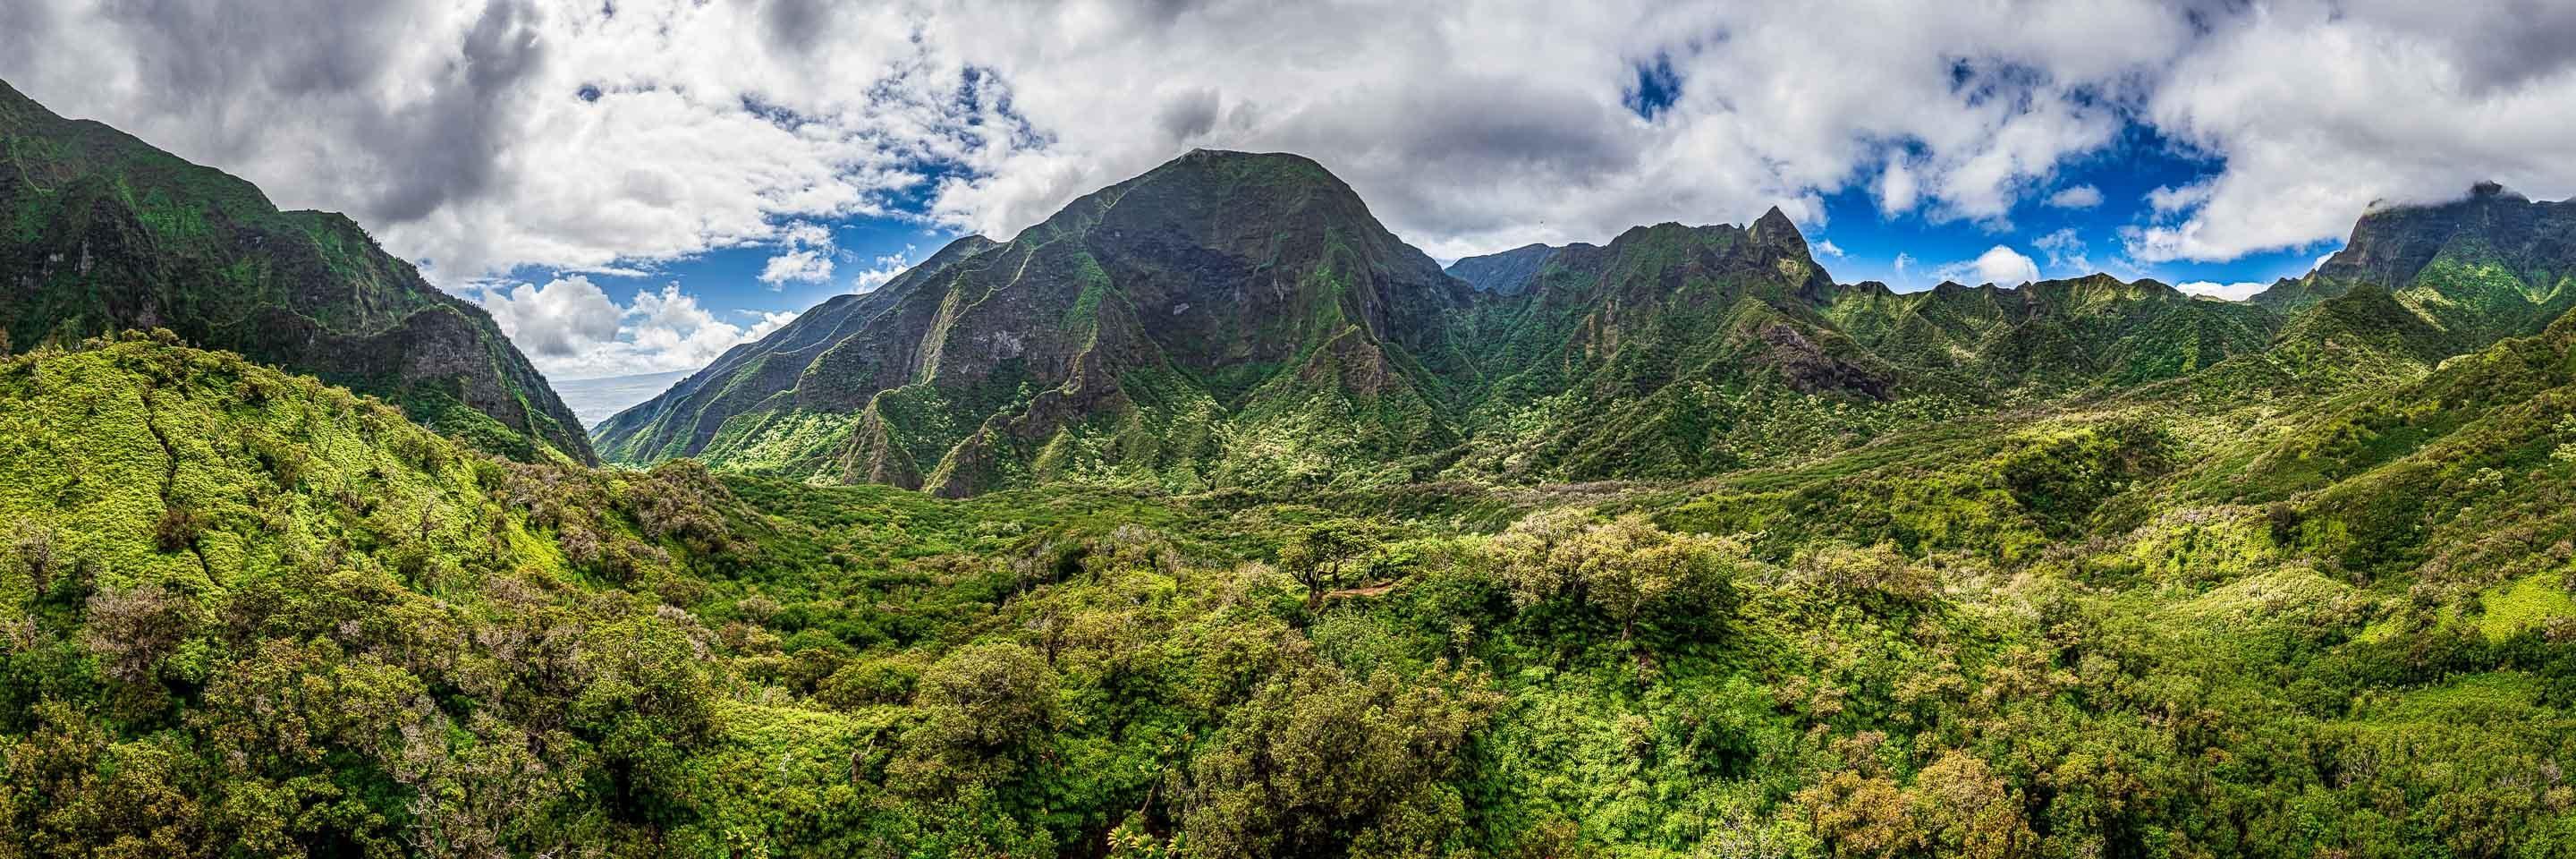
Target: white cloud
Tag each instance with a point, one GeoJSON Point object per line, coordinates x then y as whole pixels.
{"type": "Point", "coordinates": [2320, 108]}
{"type": "Point", "coordinates": [2078, 197]}
{"type": "Point", "coordinates": [483, 135]}
{"type": "Point", "coordinates": [1826, 248]}
{"type": "Point", "coordinates": [2229, 291]}
{"type": "Point", "coordinates": [1897, 190]}
{"type": "Point", "coordinates": [807, 258]}
{"type": "Point", "coordinates": [807, 266]}
{"type": "Point", "coordinates": [557, 320]}
{"type": "Point", "coordinates": [1999, 265]}
{"type": "Point", "coordinates": [886, 268]}
{"type": "Point", "coordinates": [569, 136]}
{"type": "Point", "coordinates": [571, 329]}
{"type": "Point", "coordinates": [2165, 199]}
{"type": "Point", "coordinates": [2065, 251]}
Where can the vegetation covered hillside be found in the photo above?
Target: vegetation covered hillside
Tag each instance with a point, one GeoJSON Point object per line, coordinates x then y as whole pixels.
{"type": "Point", "coordinates": [1233, 320]}
{"type": "Point", "coordinates": [247, 613]}
{"type": "Point", "coordinates": [1227, 318]}
{"type": "Point", "coordinates": [100, 232]}
{"type": "Point", "coordinates": [2494, 264]}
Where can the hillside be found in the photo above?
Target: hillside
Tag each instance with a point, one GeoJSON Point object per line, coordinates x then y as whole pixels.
{"type": "Point", "coordinates": [242, 608]}
{"type": "Point", "coordinates": [1225, 318]}
{"type": "Point", "coordinates": [2491, 265]}
{"type": "Point", "coordinates": [106, 233]}
{"type": "Point", "coordinates": [1231, 320]}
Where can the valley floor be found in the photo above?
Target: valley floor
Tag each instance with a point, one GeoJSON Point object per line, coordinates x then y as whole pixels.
{"type": "Point", "coordinates": [245, 614]}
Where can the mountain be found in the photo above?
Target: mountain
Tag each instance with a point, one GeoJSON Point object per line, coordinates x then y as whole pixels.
{"type": "Point", "coordinates": [1225, 318]}
{"type": "Point", "coordinates": [2456, 477]}
{"type": "Point", "coordinates": [105, 232]}
{"type": "Point", "coordinates": [1506, 273]}
{"type": "Point", "coordinates": [2051, 336]}
{"type": "Point", "coordinates": [1926, 592]}
{"type": "Point", "coordinates": [1671, 351]}
{"type": "Point", "coordinates": [2491, 265]}
{"type": "Point", "coordinates": [1240, 320]}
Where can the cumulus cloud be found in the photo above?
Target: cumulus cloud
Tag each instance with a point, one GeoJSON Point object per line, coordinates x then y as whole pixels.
{"type": "Point", "coordinates": [2077, 197]}
{"type": "Point", "coordinates": [480, 136]}
{"type": "Point", "coordinates": [1999, 265]}
{"type": "Point", "coordinates": [571, 329]}
{"type": "Point", "coordinates": [806, 257]}
{"type": "Point", "coordinates": [2230, 291]}
{"type": "Point", "coordinates": [557, 320]}
{"type": "Point", "coordinates": [1826, 248]}
{"type": "Point", "coordinates": [2320, 108]}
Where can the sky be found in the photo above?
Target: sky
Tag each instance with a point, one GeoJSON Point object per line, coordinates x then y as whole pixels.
{"type": "Point", "coordinates": [633, 186]}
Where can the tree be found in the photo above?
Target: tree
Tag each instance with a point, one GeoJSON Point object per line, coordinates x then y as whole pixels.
{"type": "Point", "coordinates": [132, 629]}
{"type": "Point", "coordinates": [1964, 809]}
{"type": "Point", "coordinates": [984, 708]}
{"type": "Point", "coordinates": [35, 548]}
{"type": "Point", "coordinates": [1318, 762]}
{"type": "Point", "coordinates": [1858, 816]}
{"type": "Point", "coordinates": [1625, 571]}
{"type": "Point", "coordinates": [1002, 695]}
{"type": "Point", "coordinates": [1321, 553]}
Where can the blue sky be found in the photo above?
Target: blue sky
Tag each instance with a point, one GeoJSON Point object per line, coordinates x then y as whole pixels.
{"type": "Point", "coordinates": [2121, 177]}
{"type": "Point", "coordinates": [613, 181]}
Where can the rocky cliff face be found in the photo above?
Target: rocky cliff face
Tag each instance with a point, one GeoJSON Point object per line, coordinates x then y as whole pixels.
{"type": "Point", "coordinates": [2479, 269]}
{"type": "Point", "coordinates": [104, 232]}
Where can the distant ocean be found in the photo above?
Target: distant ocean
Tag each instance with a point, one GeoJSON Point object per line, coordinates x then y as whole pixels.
{"type": "Point", "coordinates": [597, 400]}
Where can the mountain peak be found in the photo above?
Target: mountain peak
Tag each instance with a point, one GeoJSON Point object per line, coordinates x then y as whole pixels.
{"type": "Point", "coordinates": [1236, 156]}
{"type": "Point", "coordinates": [1774, 227]}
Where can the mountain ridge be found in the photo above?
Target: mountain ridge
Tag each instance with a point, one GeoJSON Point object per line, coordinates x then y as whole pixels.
{"type": "Point", "coordinates": [1581, 353]}
{"type": "Point", "coordinates": [106, 232]}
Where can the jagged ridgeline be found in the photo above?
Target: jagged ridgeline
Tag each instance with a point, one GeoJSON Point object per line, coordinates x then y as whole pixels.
{"type": "Point", "coordinates": [1234, 319]}
{"type": "Point", "coordinates": [104, 232]}
{"type": "Point", "coordinates": [1225, 319]}
{"type": "Point", "coordinates": [2477, 270]}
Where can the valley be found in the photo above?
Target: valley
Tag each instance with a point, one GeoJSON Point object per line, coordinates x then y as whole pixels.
{"type": "Point", "coordinates": [1209, 518]}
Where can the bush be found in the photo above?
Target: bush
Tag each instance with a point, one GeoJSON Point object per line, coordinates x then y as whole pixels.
{"type": "Point", "coordinates": [179, 527]}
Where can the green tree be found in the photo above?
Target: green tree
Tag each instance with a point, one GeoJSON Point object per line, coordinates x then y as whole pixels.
{"type": "Point", "coordinates": [1322, 553]}
{"type": "Point", "coordinates": [1318, 762]}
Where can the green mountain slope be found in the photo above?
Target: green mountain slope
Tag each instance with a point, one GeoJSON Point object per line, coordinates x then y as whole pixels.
{"type": "Point", "coordinates": [104, 233]}
{"type": "Point", "coordinates": [2460, 478]}
{"type": "Point", "coordinates": [245, 611]}
{"type": "Point", "coordinates": [2052, 336]}
{"type": "Point", "coordinates": [241, 610]}
{"type": "Point", "coordinates": [1233, 320]}
{"type": "Point", "coordinates": [1672, 351]}
{"type": "Point", "coordinates": [2490, 266]}
{"type": "Point", "coordinates": [1224, 319]}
